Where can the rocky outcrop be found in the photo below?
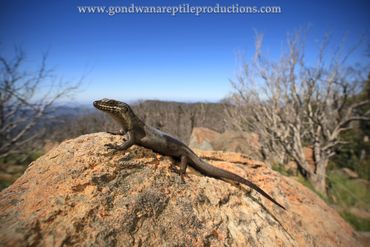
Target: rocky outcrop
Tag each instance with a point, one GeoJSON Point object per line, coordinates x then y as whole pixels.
{"type": "Point", "coordinates": [351, 174]}
{"type": "Point", "coordinates": [80, 194]}
{"type": "Point", "coordinates": [229, 141]}
{"type": "Point", "coordinates": [202, 138]}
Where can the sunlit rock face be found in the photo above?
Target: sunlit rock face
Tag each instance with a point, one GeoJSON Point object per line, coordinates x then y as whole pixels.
{"type": "Point", "coordinates": [80, 194]}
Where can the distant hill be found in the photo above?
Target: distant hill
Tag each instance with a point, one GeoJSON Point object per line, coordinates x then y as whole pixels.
{"type": "Point", "coordinates": [176, 118]}
{"type": "Point", "coordinates": [66, 110]}
{"type": "Point", "coordinates": [179, 118]}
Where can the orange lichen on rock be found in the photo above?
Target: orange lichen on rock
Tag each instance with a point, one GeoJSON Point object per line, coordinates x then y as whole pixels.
{"type": "Point", "coordinates": [81, 194]}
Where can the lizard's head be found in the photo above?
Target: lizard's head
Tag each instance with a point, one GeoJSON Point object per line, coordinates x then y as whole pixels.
{"type": "Point", "coordinates": [119, 111]}
{"type": "Point", "coordinates": [111, 106]}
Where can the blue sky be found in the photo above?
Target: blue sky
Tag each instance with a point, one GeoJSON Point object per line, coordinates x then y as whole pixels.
{"type": "Point", "coordinates": [182, 58]}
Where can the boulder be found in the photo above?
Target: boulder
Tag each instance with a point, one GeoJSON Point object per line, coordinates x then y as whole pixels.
{"type": "Point", "coordinates": [202, 138]}
{"type": "Point", "coordinates": [351, 174]}
{"type": "Point", "coordinates": [81, 194]}
{"type": "Point", "coordinates": [229, 141]}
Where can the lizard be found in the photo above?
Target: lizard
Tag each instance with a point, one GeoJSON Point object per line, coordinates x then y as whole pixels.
{"type": "Point", "coordinates": [139, 133]}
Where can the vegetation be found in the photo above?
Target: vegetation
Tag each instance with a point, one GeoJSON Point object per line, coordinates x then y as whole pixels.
{"type": "Point", "coordinates": [358, 223]}
{"type": "Point", "coordinates": [293, 105]}
{"type": "Point", "coordinates": [344, 194]}
{"type": "Point", "coordinates": [26, 98]}
{"type": "Point", "coordinates": [357, 155]}
{"type": "Point", "coordinates": [13, 166]}
{"type": "Point", "coordinates": [348, 193]}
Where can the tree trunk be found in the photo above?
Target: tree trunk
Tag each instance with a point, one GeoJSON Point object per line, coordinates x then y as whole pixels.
{"type": "Point", "coordinates": [318, 178]}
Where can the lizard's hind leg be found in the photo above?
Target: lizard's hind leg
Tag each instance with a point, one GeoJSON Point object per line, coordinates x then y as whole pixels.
{"type": "Point", "coordinates": [183, 164]}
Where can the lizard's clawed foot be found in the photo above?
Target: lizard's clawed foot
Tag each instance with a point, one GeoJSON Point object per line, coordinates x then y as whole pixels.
{"type": "Point", "coordinates": [183, 176]}
{"type": "Point", "coordinates": [111, 147]}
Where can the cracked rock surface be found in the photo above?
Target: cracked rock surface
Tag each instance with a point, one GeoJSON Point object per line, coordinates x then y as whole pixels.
{"type": "Point", "coordinates": [80, 194]}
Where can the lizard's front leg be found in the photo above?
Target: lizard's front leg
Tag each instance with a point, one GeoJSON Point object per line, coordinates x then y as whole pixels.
{"type": "Point", "coordinates": [119, 132]}
{"type": "Point", "coordinates": [127, 144]}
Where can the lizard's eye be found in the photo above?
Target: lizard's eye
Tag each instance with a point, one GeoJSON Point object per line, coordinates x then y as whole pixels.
{"type": "Point", "coordinates": [124, 108]}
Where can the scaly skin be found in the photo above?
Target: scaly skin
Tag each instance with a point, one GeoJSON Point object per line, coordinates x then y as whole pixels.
{"type": "Point", "coordinates": [141, 134]}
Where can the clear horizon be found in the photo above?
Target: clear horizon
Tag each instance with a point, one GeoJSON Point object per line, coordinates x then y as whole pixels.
{"type": "Point", "coordinates": [185, 58]}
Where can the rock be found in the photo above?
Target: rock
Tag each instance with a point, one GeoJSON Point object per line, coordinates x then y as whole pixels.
{"type": "Point", "coordinates": [201, 138]}
{"type": "Point", "coordinates": [229, 141]}
{"type": "Point", "coordinates": [240, 142]}
{"type": "Point", "coordinates": [292, 167]}
{"type": "Point", "coordinates": [308, 154]}
{"type": "Point", "coordinates": [360, 213]}
{"type": "Point", "coordinates": [349, 173]}
{"type": "Point", "coordinates": [80, 194]}
{"type": "Point", "coordinates": [364, 237]}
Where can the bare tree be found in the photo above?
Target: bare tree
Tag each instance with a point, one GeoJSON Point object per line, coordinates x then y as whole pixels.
{"type": "Point", "coordinates": [25, 99]}
{"type": "Point", "coordinates": [292, 104]}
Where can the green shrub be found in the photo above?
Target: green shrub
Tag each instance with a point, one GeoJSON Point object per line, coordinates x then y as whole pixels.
{"type": "Point", "coordinates": [348, 192]}
{"type": "Point", "coordinates": [21, 159]}
{"type": "Point", "coordinates": [358, 223]}
{"type": "Point", "coordinates": [280, 169]}
{"type": "Point", "coordinates": [4, 184]}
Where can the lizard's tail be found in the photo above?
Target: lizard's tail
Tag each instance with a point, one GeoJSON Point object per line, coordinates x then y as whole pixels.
{"type": "Point", "coordinates": [216, 172]}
